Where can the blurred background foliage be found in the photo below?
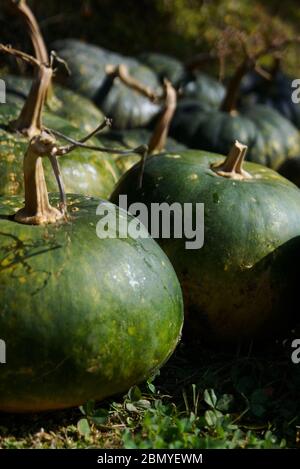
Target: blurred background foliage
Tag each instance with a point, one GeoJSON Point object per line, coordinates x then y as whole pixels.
{"type": "Point", "coordinates": [181, 28]}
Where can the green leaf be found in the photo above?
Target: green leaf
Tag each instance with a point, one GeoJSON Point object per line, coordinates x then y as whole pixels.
{"type": "Point", "coordinates": [225, 403]}
{"type": "Point", "coordinates": [131, 407]}
{"type": "Point", "coordinates": [151, 387]}
{"type": "Point", "coordinates": [134, 394]}
{"type": "Point", "coordinates": [83, 427]}
{"type": "Point", "coordinates": [143, 404]}
{"type": "Point", "coordinates": [212, 417]}
{"type": "Point", "coordinates": [100, 416]}
{"type": "Point", "coordinates": [210, 398]}
{"type": "Point", "coordinates": [88, 407]}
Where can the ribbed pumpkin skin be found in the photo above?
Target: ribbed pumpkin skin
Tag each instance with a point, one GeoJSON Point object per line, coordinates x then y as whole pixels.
{"type": "Point", "coordinates": [203, 89]}
{"type": "Point", "coordinates": [276, 93]}
{"type": "Point", "coordinates": [270, 138]}
{"type": "Point", "coordinates": [164, 66]}
{"type": "Point", "coordinates": [82, 317]}
{"type": "Point", "coordinates": [239, 285]}
{"type": "Point", "coordinates": [126, 107]}
{"type": "Point", "coordinates": [86, 172]}
{"type": "Point", "coordinates": [78, 110]}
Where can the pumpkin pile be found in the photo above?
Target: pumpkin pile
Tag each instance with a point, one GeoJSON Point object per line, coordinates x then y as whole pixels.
{"type": "Point", "coordinates": [270, 136]}
{"type": "Point", "coordinates": [91, 303]}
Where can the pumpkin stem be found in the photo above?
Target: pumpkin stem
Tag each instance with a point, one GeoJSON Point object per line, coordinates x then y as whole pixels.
{"type": "Point", "coordinates": [230, 100]}
{"type": "Point", "coordinates": [144, 156]}
{"type": "Point", "coordinates": [250, 62]}
{"type": "Point", "coordinates": [29, 122]}
{"type": "Point", "coordinates": [64, 150]}
{"type": "Point", "coordinates": [7, 49]}
{"type": "Point", "coordinates": [106, 123]}
{"type": "Point", "coordinates": [232, 167]}
{"type": "Point", "coordinates": [21, 8]}
{"type": "Point", "coordinates": [37, 209]}
{"type": "Point", "coordinates": [121, 72]}
{"type": "Point", "coordinates": [142, 150]}
{"type": "Point", "coordinates": [159, 137]}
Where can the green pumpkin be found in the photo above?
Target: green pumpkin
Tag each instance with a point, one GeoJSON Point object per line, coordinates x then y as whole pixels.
{"type": "Point", "coordinates": [270, 138]}
{"type": "Point", "coordinates": [82, 317]}
{"type": "Point", "coordinates": [239, 285]}
{"type": "Point", "coordinates": [194, 86]}
{"type": "Point", "coordinates": [90, 172]}
{"type": "Point", "coordinates": [78, 110]}
{"type": "Point", "coordinates": [203, 89]}
{"type": "Point", "coordinates": [87, 63]}
{"type": "Point", "coordinates": [276, 93]}
{"type": "Point", "coordinates": [164, 66]}
{"type": "Point", "coordinates": [85, 313]}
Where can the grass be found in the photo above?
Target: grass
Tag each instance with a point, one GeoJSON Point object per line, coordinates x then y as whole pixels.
{"type": "Point", "coordinates": [200, 399]}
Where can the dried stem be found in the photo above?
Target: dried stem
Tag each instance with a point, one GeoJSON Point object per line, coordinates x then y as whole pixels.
{"type": "Point", "coordinates": [141, 150]}
{"type": "Point", "coordinates": [106, 123]}
{"type": "Point", "coordinates": [160, 134]}
{"type": "Point", "coordinates": [121, 72]}
{"type": "Point", "coordinates": [21, 8]}
{"type": "Point", "coordinates": [233, 89]}
{"type": "Point", "coordinates": [144, 155]}
{"type": "Point", "coordinates": [249, 63]}
{"type": "Point", "coordinates": [7, 49]}
{"type": "Point", "coordinates": [37, 209]}
{"type": "Point", "coordinates": [64, 150]}
{"type": "Point", "coordinates": [158, 139]}
{"type": "Point", "coordinates": [232, 167]}
{"type": "Point", "coordinates": [29, 122]}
